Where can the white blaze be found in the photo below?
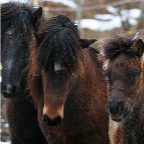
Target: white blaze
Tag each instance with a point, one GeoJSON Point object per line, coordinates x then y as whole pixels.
{"type": "Point", "coordinates": [105, 65]}
{"type": "Point", "coordinates": [57, 67]}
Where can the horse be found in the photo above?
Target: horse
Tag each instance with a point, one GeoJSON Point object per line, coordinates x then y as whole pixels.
{"type": "Point", "coordinates": [19, 25]}
{"type": "Point", "coordinates": [67, 85]}
{"type": "Point", "coordinates": [123, 58]}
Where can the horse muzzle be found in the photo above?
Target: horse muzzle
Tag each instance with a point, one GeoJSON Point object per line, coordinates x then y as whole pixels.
{"type": "Point", "coordinates": [116, 109]}
{"type": "Point", "coordinates": [52, 122]}
{"type": "Point", "coordinates": [8, 91]}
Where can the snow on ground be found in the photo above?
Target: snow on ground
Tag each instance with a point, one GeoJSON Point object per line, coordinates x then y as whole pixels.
{"type": "Point", "coordinates": [4, 142]}
{"type": "Point", "coordinates": [69, 3]}
{"type": "Point", "coordinates": [93, 24]}
{"type": "Point", "coordinates": [110, 21]}
{"type": "Point", "coordinates": [112, 9]}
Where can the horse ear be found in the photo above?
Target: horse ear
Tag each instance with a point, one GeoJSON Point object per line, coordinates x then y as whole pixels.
{"type": "Point", "coordinates": [138, 47]}
{"type": "Point", "coordinates": [86, 43]}
{"type": "Point", "coordinates": [37, 14]}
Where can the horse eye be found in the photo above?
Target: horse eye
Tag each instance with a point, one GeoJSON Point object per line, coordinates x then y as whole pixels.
{"type": "Point", "coordinates": [134, 72]}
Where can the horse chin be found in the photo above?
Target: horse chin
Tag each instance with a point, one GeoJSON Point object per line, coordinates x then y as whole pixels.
{"type": "Point", "coordinates": [117, 117]}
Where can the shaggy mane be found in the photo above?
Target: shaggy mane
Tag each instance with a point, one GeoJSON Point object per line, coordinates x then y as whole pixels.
{"type": "Point", "coordinates": [120, 44]}
{"type": "Point", "coordinates": [59, 45]}
{"type": "Point", "coordinates": [18, 15]}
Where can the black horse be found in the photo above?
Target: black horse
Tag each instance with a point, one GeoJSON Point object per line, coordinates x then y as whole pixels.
{"type": "Point", "coordinates": [19, 25]}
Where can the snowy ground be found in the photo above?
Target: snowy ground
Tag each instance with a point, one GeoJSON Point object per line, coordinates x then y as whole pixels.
{"type": "Point", "coordinates": [4, 142]}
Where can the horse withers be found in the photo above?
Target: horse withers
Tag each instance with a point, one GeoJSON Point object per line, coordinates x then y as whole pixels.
{"type": "Point", "coordinates": [124, 69]}
{"type": "Point", "coordinates": [19, 23]}
{"type": "Point", "coordinates": [67, 85]}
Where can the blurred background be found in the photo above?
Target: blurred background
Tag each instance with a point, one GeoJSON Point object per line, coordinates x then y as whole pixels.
{"type": "Point", "coordinates": [95, 18]}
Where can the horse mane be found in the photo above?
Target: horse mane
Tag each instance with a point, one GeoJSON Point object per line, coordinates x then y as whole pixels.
{"type": "Point", "coordinates": [124, 44]}
{"type": "Point", "coordinates": [59, 45]}
{"type": "Point", "coordinates": [20, 16]}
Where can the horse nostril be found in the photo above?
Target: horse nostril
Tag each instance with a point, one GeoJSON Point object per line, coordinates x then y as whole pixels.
{"type": "Point", "coordinates": [10, 89]}
{"type": "Point", "coordinates": [52, 122]}
{"type": "Point", "coordinates": [115, 107]}
{"type": "Point", "coordinates": [57, 120]}
{"type": "Point", "coordinates": [45, 118]}
{"type": "Point", "coordinates": [120, 109]}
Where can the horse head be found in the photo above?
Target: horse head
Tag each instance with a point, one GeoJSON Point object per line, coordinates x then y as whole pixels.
{"type": "Point", "coordinates": [124, 72]}
{"type": "Point", "coordinates": [54, 65]}
{"type": "Point", "coordinates": [19, 25]}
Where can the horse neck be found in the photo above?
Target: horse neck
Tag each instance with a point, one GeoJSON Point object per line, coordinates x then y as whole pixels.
{"type": "Point", "coordinates": [139, 101]}
{"type": "Point", "coordinates": [89, 68]}
{"type": "Point", "coordinates": [85, 64]}
{"type": "Point", "coordinates": [141, 84]}
{"type": "Point", "coordinates": [142, 65]}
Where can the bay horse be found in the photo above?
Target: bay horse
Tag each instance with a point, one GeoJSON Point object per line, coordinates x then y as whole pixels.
{"type": "Point", "coordinates": [19, 23]}
{"type": "Point", "coordinates": [67, 85]}
{"type": "Point", "coordinates": [123, 57]}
